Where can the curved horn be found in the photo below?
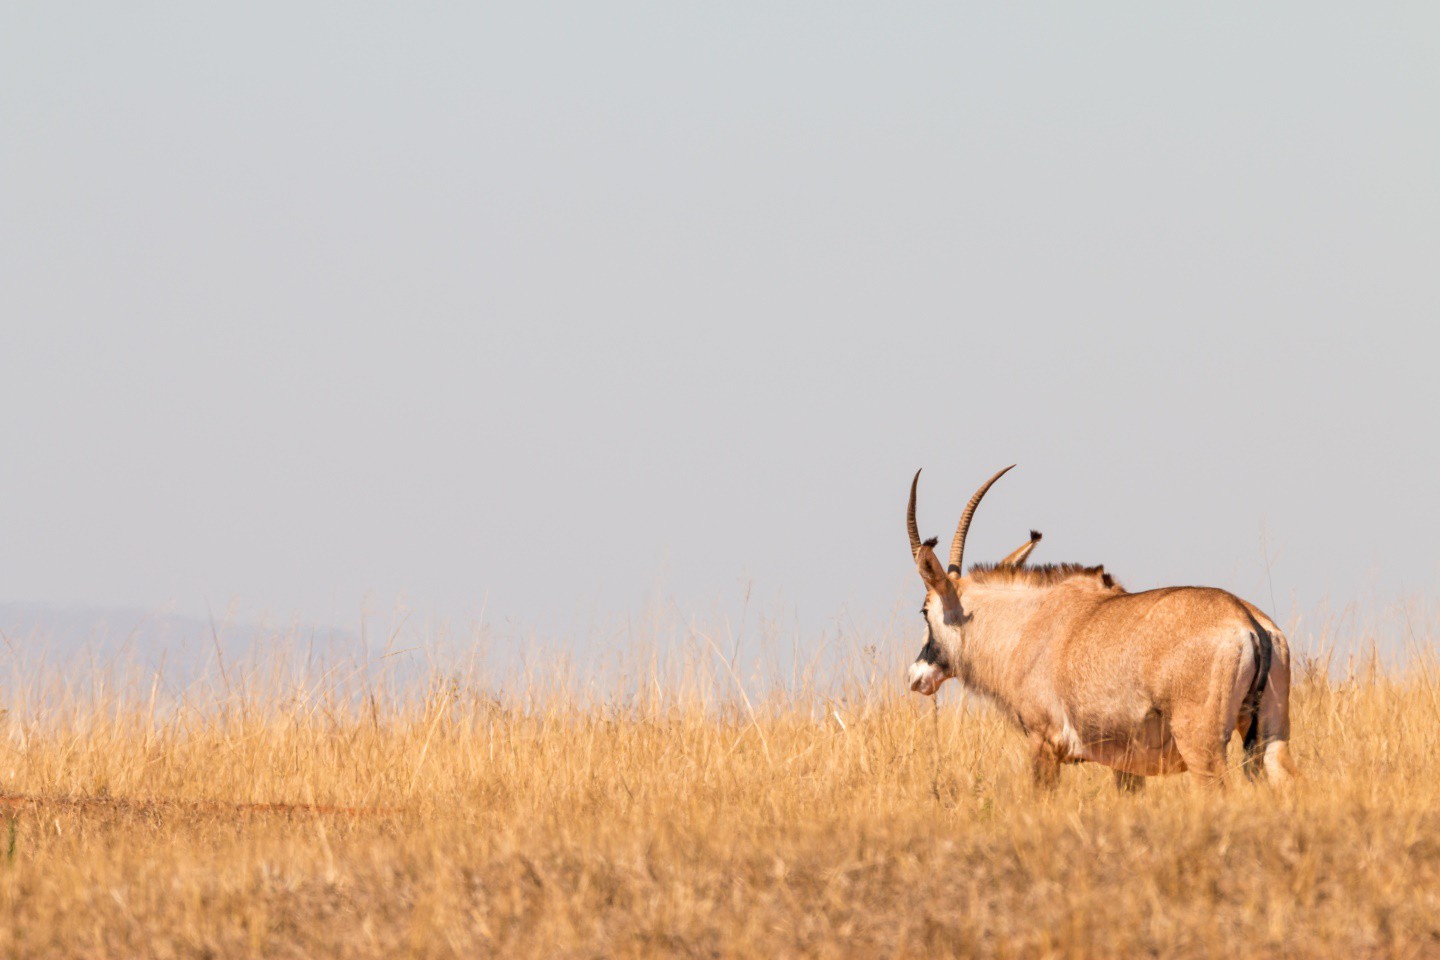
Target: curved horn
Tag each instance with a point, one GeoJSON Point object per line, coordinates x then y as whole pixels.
{"type": "Point", "coordinates": [957, 546]}
{"type": "Point", "coordinates": [910, 525]}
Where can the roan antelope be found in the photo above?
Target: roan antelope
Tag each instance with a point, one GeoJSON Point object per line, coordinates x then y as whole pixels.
{"type": "Point", "coordinates": [1146, 683]}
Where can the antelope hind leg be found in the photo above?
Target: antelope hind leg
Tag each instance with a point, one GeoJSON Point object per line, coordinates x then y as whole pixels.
{"type": "Point", "coordinates": [1199, 740]}
{"type": "Point", "coordinates": [1045, 764]}
{"type": "Point", "coordinates": [1279, 768]}
{"type": "Point", "coordinates": [1129, 782]}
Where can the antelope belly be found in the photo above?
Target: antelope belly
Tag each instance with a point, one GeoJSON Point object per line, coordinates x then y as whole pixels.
{"type": "Point", "coordinates": [1146, 750]}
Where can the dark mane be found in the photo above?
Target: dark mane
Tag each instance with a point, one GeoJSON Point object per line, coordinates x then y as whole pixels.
{"type": "Point", "coordinates": [1044, 575]}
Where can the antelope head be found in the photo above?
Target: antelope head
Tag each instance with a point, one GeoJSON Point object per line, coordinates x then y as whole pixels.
{"type": "Point", "coordinates": [942, 611]}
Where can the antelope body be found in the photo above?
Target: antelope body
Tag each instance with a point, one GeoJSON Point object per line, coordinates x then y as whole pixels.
{"type": "Point", "coordinates": [1146, 683]}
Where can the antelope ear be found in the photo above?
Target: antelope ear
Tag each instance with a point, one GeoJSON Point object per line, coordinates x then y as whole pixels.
{"type": "Point", "coordinates": [932, 571]}
{"type": "Point", "coordinates": [1018, 556]}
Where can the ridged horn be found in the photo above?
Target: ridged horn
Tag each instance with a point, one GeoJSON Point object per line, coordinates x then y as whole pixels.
{"type": "Point", "coordinates": [910, 525]}
{"type": "Point", "coordinates": [957, 546]}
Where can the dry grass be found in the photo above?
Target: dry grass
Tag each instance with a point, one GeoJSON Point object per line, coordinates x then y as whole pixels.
{"type": "Point", "coordinates": [673, 822]}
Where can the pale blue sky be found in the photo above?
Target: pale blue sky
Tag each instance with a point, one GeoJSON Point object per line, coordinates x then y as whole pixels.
{"type": "Point", "coordinates": [549, 307]}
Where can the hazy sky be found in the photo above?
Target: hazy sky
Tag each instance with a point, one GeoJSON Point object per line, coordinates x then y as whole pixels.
{"type": "Point", "coordinates": [556, 308]}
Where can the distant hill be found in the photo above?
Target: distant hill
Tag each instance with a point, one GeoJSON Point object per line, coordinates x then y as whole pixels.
{"type": "Point", "coordinates": [77, 640]}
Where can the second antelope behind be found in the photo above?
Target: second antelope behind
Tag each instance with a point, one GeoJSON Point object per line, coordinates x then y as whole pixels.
{"type": "Point", "coordinates": [1146, 683]}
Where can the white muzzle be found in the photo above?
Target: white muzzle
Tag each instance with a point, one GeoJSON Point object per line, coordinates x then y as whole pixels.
{"type": "Point", "coordinates": [925, 678]}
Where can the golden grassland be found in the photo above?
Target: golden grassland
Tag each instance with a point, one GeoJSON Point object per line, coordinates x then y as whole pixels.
{"type": "Point", "coordinates": [295, 818]}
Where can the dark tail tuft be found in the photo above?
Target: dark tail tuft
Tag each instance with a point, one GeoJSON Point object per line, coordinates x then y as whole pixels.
{"type": "Point", "coordinates": [1253, 733]}
{"type": "Point", "coordinates": [1264, 650]}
